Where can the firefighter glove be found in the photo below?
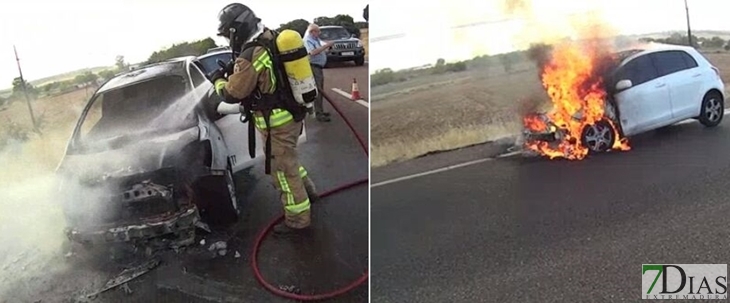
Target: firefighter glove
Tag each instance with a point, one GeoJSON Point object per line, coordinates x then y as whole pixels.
{"type": "Point", "coordinates": [220, 85]}
{"type": "Point", "coordinates": [216, 75]}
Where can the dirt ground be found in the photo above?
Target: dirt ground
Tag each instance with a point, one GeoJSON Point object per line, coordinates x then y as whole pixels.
{"type": "Point", "coordinates": [442, 112]}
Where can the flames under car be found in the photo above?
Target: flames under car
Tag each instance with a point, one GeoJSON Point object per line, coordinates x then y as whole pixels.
{"type": "Point", "coordinates": [540, 128]}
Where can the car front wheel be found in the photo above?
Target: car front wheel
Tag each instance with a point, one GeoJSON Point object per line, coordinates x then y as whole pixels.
{"type": "Point", "coordinates": [598, 137]}
{"type": "Point", "coordinates": [223, 208]}
{"type": "Point", "coordinates": [360, 61]}
{"type": "Point", "coordinates": [713, 109]}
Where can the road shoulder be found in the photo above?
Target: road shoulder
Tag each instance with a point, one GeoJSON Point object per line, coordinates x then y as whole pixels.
{"type": "Point", "coordinates": [439, 160]}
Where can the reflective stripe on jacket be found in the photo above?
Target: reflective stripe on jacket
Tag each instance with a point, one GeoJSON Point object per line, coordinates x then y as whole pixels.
{"type": "Point", "coordinates": [247, 76]}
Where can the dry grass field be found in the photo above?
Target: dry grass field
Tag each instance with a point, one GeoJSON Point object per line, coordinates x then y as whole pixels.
{"type": "Point", "coordinates": [57, 116]}
{"type": "Point", "coordinates": [442, 112]}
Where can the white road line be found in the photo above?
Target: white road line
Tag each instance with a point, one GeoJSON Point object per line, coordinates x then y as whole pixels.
{"type": "Point", "coordinates": [510, 154]}
{"type": "Point", "coordinates": [346, 95]}
{"type": "Point", "coordinates": [443, 169]}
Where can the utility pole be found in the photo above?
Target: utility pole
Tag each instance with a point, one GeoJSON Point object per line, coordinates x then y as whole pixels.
{"type": "Point", "coordinates": [689, 31]}
{"type": "Point", "coordinates": [25, 91]}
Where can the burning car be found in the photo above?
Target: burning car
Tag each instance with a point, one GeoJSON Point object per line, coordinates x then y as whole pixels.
{"type": "Point", "coordinates": [151, 157]}
{"type": "Point", "coordinates": [599, 99]}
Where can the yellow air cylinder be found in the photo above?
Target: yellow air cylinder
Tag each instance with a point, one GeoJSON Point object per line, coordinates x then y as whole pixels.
{"type": "Point", "coordinates": [294, 56]}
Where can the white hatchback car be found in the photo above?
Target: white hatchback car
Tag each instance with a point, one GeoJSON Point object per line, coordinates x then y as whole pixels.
{"type": "Point", "coordinates": [653, 86]}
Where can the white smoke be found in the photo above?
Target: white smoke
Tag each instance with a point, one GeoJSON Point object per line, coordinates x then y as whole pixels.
{"type": "Point", "coordinates": [33, 245]}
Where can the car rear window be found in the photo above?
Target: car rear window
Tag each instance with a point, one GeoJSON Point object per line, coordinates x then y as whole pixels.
{"type": "Point", "coordinates": [669, 62]}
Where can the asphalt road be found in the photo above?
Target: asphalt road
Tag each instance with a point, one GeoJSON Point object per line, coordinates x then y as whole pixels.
{"type": "Point", "coordinates": [334, 256]}
{"type": "Point", "coordinates": [533, 230]}
{"type": "Point", "coordinates": [335, 77]}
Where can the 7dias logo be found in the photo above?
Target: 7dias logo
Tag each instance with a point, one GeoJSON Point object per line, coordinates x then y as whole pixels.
{"type": "Point", "coordinates": [684, 281]}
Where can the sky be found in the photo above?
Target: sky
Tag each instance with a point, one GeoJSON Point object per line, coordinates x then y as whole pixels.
{"type": "Point", "coordinates": [431, 35]}
{"type": "Point", "coordinates": [54, 37]}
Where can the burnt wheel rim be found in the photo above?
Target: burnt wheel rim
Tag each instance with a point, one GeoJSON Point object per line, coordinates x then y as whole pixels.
{"type": "Point", "coordinates": [713, 109]}
{"type": "Point", "coordinates": [598, 137]}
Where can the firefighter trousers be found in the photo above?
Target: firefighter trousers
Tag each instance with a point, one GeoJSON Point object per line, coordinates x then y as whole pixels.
{"type": "Point", "coordinates": [290, 178]}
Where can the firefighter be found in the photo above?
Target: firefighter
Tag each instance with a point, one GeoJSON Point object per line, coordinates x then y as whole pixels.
{"type": "Point", "coordinates": [257, 81]}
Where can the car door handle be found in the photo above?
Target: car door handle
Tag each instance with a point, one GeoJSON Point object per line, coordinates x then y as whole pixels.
{"type": "Point", "coordinates": [696, 75]}
{"type": "Point", "coordinates": [660, 85]}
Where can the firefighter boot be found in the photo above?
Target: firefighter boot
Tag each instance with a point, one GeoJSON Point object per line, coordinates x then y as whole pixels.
{"type": "Point", "coordinates": [282, 230]}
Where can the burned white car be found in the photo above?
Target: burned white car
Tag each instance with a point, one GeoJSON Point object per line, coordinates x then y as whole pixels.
{"type": "Point", "coordinates": [649, 87]}
{"type": "Point", "coordinates": [151, 157]}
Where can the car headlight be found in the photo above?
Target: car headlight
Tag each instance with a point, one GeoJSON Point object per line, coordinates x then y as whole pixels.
{"type": "Point", "coordinates": [359, 43]}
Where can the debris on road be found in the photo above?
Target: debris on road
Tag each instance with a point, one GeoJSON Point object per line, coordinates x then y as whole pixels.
{"type": "Point", "coordinates": [290, 289]}
{"type": "Point", "coordinates": [237, 255]}
{"type": "Point", "coordinates": [204, 226]}
{"type": "Point", "coordinates": [124, 277]}
{"type": "Point", "coordinates": [220, 245]}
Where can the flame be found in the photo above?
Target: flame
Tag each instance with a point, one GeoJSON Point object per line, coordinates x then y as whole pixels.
{"type": "Point", "coordinates": [535, 123]}
{"type": "Point", "coordinates": [572, 77]}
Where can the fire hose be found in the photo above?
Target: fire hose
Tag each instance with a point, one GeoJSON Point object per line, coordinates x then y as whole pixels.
{"type": "Point", "coordinates": [263, 233]}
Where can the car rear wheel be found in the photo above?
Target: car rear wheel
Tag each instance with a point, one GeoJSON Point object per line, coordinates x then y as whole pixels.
{"type": "Point", "coordinates": [598, 137]}
{"type": "Point", "coordinates": [713, 109]}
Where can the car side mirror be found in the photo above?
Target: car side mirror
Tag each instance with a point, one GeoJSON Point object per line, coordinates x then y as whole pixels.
{"type": "Point", "coordinates": [352, 35]}
{"type": "Point", "coordinates": [623, 84]}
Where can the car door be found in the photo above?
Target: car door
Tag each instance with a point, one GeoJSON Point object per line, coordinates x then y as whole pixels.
{"type": "Point", "coordinates": [684, 80]}
{"type": "Point", "coordinates": [235, 133]}
{"type": "Point", "coordinates": [646, 103]}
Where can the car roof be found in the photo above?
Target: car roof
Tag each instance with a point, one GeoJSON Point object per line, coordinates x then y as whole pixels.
{"type": "Point", "coordinates": [215, 53]}
{"type": "Point", "coordinates": [654, 47]}
{"type": "Point", "coordinates": [175, 66]}
{"type": "Point", "coordinates": [628, 53]}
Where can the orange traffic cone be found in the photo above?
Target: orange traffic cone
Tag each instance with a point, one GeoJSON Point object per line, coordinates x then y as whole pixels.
{"type": "Point", "coordinates": [355, 90]}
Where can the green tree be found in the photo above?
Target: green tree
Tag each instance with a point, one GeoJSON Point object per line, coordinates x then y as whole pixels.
{"type": "Point", "coordinates": [715, 42]}
{"type": "Point", "coordinates": [440, 62]}
{"type": "Point", "coordinates": [120, 63]}
{"type": "Point", "coordinates": [298, 25]}
{"type": "Point", "coordinates": [507, 62]}
{"type": "Point", "coordinates": [195, 48]}
{"type": "Point", "coordinates": [106, 74]}
{"type": "Point", "coordinates": [341, 20]}
{"type": "Point", "coordinates": [85, 78]}
{"type": "Point", "coordinates": [18, 88]}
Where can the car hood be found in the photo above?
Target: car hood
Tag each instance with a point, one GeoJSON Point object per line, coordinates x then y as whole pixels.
{"type": "Point", "coordinates": [347, 40]}
{"type": "Point", "coordinates": [146, 153]}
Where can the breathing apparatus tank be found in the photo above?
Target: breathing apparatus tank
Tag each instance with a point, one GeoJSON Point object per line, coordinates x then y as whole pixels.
{"type": "Point", "coordinates": [295, 58]}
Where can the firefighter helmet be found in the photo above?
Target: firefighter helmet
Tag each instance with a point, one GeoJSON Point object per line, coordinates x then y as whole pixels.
{"type": "Point", "coordinates": [238, 24]}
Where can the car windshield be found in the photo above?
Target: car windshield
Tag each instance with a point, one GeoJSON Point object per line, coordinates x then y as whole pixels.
{"type": "Point", "coordinates": [154, 105]}
{"type": "Point", "coordinates": [333, 33]}
{"type": "Point", "coordinates": [211, 63]}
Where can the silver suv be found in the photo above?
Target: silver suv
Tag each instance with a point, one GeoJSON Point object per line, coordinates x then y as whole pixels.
{"type": "Point", "coordinates": [346, 47]}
